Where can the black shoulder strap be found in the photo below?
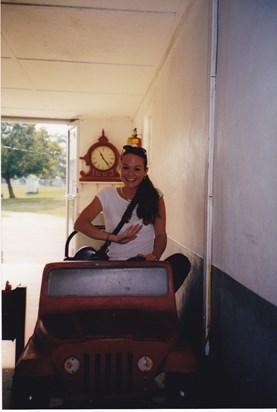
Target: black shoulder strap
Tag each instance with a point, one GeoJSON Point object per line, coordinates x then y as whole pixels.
{"type": "Point", "coordinates": [125, 218]}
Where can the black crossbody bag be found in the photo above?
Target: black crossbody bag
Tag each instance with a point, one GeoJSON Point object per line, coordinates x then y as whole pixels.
{"type": "Point", "coordinates": [88, 252]}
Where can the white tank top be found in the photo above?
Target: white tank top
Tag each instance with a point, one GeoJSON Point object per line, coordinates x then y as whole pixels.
{"type": "Point", "coordinates": [113, 208]}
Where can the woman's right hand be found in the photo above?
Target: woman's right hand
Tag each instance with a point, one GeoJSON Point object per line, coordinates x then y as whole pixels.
{"type": "Point", "coordinates": [129, 234]}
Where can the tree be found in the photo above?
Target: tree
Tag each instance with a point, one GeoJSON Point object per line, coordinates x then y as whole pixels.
{"type": "Point", "coordinates": [26, 151]}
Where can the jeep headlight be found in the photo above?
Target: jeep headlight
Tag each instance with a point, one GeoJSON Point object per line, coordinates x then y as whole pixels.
{"type": "Point", "coordinates": [145, 364]}
{"type": "Point", "coordinates": [71, 365]}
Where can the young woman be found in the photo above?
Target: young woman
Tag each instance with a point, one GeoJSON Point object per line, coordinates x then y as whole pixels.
{"type": "Point", "coordinates": [145, 233]}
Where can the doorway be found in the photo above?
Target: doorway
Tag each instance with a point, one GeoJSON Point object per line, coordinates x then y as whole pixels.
{"type": "Point", "coordinates": [34, 221]}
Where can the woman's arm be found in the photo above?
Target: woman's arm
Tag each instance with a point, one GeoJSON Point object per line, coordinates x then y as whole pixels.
{"type": "Point", "coordinates": [160, 233]}
{"type": "Point", "coordinates": [83, 224]}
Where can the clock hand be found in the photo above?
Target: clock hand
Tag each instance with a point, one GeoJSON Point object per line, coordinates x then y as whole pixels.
{"type": "Point", "coordinates": [104, 159]}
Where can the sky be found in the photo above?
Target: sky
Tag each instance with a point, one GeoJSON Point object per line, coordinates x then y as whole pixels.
{"type": "Point", "coordinates": [53, 128]}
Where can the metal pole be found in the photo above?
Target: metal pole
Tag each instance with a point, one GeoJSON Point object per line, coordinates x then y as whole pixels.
{"type": "Point", "coordinates": [209, 198]}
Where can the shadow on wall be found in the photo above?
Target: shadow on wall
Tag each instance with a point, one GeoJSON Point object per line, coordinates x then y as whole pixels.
{"type": "Point", "coordinates": [190, 304]}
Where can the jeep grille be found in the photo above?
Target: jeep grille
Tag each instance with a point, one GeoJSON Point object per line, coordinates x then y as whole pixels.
{"type": "Point", "coordinates": [107, 374]}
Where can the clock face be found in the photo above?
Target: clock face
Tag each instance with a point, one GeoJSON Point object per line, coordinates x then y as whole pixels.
{"type": "Point", "coordinates": [103, 158]}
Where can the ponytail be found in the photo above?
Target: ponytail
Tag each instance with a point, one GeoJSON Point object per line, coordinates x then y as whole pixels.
{"type": "Point", "coordinates": [147, 197]}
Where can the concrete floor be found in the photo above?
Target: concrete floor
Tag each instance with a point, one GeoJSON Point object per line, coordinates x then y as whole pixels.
{"type": "Point", "coordinates": [31, 238]}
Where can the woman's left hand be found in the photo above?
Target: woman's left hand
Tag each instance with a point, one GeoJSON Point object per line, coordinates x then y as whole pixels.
{"type": "Point", "coordinates": [150, 257]}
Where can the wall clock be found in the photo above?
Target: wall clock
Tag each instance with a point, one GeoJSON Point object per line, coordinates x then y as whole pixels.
{"type": "Point", "coordinates": [102, 159]}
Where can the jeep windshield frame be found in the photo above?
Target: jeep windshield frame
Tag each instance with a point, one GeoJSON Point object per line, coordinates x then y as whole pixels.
{"type": "Point", "coordinates": [86, 285]}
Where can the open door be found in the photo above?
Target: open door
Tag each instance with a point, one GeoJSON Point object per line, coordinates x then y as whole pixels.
{"type": "Point", "coordinates": [71, 179]}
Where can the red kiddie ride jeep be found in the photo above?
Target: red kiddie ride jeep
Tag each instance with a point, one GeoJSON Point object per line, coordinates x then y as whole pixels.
{"type": "Point", "coordinates": [107, 334]}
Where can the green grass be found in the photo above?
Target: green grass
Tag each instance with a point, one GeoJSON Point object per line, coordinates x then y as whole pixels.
{"type": "Point", "coordinates": [50, 200]}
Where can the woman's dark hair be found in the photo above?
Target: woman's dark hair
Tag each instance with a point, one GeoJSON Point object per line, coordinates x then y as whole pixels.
{"type": "Point", "coordinates": [147, 196]}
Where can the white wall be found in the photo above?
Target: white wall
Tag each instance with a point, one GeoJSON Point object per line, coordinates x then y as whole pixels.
{"type": "Point", "coordinates": [245, 202]}
{"type": "Point", "coordinates": [245, 172]}
{"type": "Point", "coordinates": [177, 105]}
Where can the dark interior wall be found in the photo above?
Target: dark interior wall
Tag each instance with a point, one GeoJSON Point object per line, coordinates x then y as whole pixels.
{"type": "Point", "coordinates": [244, 343]}
{"type": "Point", "coordinates": [241, 370]}
{"type": "Point", "coordinates": [192, 304]}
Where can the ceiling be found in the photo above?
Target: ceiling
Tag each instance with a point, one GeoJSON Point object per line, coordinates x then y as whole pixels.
{"type": "Point", "coordinates": [68, 59]}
